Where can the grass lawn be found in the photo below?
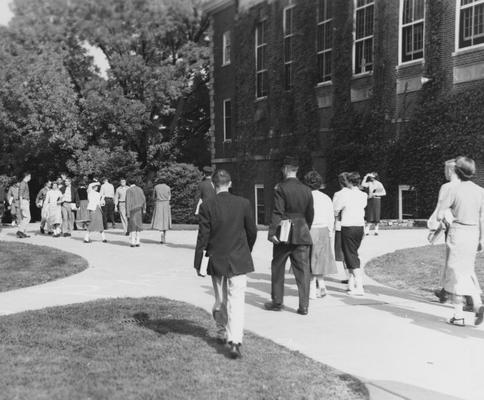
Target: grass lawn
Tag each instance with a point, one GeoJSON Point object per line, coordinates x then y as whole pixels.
{"type": "Point", "coordinates": [416, 270]}
{"type": "Point", "coordinates": [151, 348]}
{"type": "Point", "coordinates": [23, 265]}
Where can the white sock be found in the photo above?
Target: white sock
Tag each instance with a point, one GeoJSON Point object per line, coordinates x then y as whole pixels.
{"type": "Point", "coordinates": [376, 228]}
{"type": "Point", "coordinates": [103, 237]}
{"type": "Point", "coordinates": [458, 311]}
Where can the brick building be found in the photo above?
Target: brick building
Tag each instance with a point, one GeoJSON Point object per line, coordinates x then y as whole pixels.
{"type": "Point", "coordinates": [273, 75]}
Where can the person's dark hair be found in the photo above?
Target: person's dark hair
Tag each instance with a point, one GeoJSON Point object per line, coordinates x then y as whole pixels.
{"type": "Point", "coordinates": [313, 180]}
{"type": "Point", "coordinates": [291, 163]}
{"type": "Point", "coordinates": [104, 179]}
{"type": "Point", "coordinates": [24, 174]}
{"type": "Point", "coordinates": [354, 178]}
{"type": "Point", "coordinates": [221, 177]}
{"type": "Point", "coordinates": [465, 168]}
{"type": "Point", "coordinates": [343, 179]}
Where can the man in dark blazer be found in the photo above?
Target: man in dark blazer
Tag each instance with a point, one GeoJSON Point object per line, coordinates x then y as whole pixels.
{"type": "Point", "coordinates": [227, 232]}
{"type": "Point", "coordinates": [206, 187]}
{"type": "Point", "coordinates": [292, 201]}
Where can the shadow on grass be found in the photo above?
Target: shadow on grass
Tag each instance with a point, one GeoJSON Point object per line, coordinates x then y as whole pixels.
{"type": "Point", "coordinates": [179, 327]}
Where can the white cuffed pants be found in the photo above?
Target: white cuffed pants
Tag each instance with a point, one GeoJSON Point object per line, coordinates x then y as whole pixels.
{"type": "Point", "coordinates": [228, 310]}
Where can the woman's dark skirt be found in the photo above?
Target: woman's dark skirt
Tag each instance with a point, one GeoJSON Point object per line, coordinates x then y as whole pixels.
{"type": "Point", "coordinates": [338, 251]}
{"type": "Point", "coordinates": [373, 210]}
{"type": "Point", "coordinates": [351, 237]}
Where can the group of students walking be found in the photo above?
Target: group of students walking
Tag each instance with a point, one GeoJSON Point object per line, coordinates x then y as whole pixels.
{"type": "Point", "coordinates": [90, 206]}
{"type": "Point", "coordinates": [304, 222]}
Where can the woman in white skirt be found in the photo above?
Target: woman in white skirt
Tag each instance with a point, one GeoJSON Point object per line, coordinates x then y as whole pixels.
{"type": "Point", "coordinates": [95, 212]}
{"type": "Point", "coordinates": [53, 209]}
{"type": "Point", "coordinates": [322, 261]}
{"type": "Point", "coordinates": [161, 220]}
{"type": "Point", "coordinates": [465, 237]}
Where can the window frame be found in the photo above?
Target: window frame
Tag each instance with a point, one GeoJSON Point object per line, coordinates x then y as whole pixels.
{"type": "Point", "coordinates": [291, 36]}
{"type": "Point", "coordinates": [458, 8]}
{"type": "Point", "coordinates": [258, 186]}
{"type": "Point", "coordinates": [225, 35]}
{"type": "Point", "coordinates": [400, 35]}
{"type": "Point", "coordinates": [363, 39]}
{"type": "Point", "coordinates": [320, 52]}
{"type": "Point", "coordinates": [264, 70]}
{"type": "Point", "coordinates": [224, 111]}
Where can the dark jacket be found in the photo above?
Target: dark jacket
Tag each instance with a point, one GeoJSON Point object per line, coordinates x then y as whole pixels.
{"type": "Point", "coordinates": [74, 194]}
{"type": "Point", "coordinates": [227, 232]}
{"type": "Point", "coordinates": [293, 200]}
{"type": "Point", "coordinates": [207, 190]}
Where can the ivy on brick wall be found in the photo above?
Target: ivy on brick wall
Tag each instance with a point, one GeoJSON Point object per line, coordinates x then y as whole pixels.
{"type": "Point", "coordinates": [360, 139]}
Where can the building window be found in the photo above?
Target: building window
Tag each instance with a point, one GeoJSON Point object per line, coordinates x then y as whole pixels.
{"type": "Point", "coordinates": [288, 45]}
{"type": "Point", "coordinates": [471, 23]}
{"type": "Point", "coordinates": [226, 45]}
{"type": "Point", "coordinates": [260, 208]}
{"type": "Point", "coordinates": [325, 39]}
{"type": "Point", "coordinates": [261, 73]}
{"type": "Point", "coordinates": [412, 30]}
{"type": "Point", "coordinates": [363, 53]}
{"type": "Point", "coordinates": [227, 120]}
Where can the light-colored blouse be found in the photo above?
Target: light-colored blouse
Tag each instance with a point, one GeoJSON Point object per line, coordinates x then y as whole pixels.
{"type": "Point", "coordinates": [162, 192]}
{"type": "Point", "coordinates": [53, 196]}
{"type": "Point", "coordinates": [466, 201]}
{"type": "Point", "coordinates": [351, 204]}
{"type": "Point", "coordinates": [323, 211]}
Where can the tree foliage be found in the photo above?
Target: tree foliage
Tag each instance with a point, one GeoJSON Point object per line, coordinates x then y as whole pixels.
{"type": "Point", "coordinates": [56, 110]}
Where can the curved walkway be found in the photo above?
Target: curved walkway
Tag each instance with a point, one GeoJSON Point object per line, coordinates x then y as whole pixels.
{"type": "Point", "coordinates": [397, 344]}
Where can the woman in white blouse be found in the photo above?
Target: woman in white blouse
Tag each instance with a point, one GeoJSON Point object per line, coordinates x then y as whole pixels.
{"type": "Point", "coordinates": [96, 201]}
{"type": "Point", "coordinates": [465, 237]}
{"type": "Point", "coordinates": [350, 204]}
{"type": "Point", "coordinates": [321, 258]}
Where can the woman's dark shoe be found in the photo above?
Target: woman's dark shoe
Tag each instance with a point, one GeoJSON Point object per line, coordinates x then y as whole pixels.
{"type": "Point", "coordinates": [479, 316]}
{"type": "Point", "coordinates": [457, 321]}
{"type": "Point", "coordinates": [42, 231]}
{"type": "Point", "coordinates": [105, 241]}
{"type": "Point", "coordinates": [87, 241]}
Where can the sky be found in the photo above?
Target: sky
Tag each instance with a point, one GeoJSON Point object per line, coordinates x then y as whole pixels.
{"type": "Point", "coordinates": [99, 58]}
{"type": "Point", "coordinates": [5, 13]}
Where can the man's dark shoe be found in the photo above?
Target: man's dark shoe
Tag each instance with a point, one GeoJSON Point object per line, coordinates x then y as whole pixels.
{"type": "Point", "coordinates": [442, 295]}
{"type": "Point", "coordinates": [42, 231]}
{"type": "Point", "coordinates": [345, 281]}
{"type": "Point", "coordinates": [20, 235]}
{"type": "Point", "coordinates": [302, 310]}
{"type": "Point", "coordinates": [234, 351]}
{"type": "Point", "coordinates": [66, 235]}
{"type": "Point", "coordinates": [271, 306]}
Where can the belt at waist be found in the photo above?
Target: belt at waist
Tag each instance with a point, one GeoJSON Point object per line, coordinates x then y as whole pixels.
{"type": "Point", "coordinates": [121, 201]}
{"type": "Point", "coordinates": [294, 215]}
{"type": "Point", "coordinates": [107, 198]}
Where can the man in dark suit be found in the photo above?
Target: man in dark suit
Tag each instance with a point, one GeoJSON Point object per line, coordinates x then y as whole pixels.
{"type": "Point", "coordinates": [206, 188]}
{"type": "Point", "coordinates": [292, 201]}
{"type": "Point", "coordinates": [227, 232]}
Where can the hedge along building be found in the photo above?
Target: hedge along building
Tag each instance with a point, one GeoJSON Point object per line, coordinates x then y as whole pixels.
{"type": "Point", "coordinates": [342, 83]}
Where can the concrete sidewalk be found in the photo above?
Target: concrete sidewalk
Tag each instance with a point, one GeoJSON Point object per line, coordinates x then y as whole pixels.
{"type": "Point", "coordinates": [397, 344]}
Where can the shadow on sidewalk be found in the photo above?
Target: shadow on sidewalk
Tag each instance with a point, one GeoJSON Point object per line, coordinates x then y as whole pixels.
{"type": "Point", "coordinates": [422, 319]}
{"type": "Point", "coordinates": [179, 327]}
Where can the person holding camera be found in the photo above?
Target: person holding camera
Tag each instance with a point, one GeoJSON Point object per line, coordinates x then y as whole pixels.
{"type": "Point", "coordinates": [375, 192]}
